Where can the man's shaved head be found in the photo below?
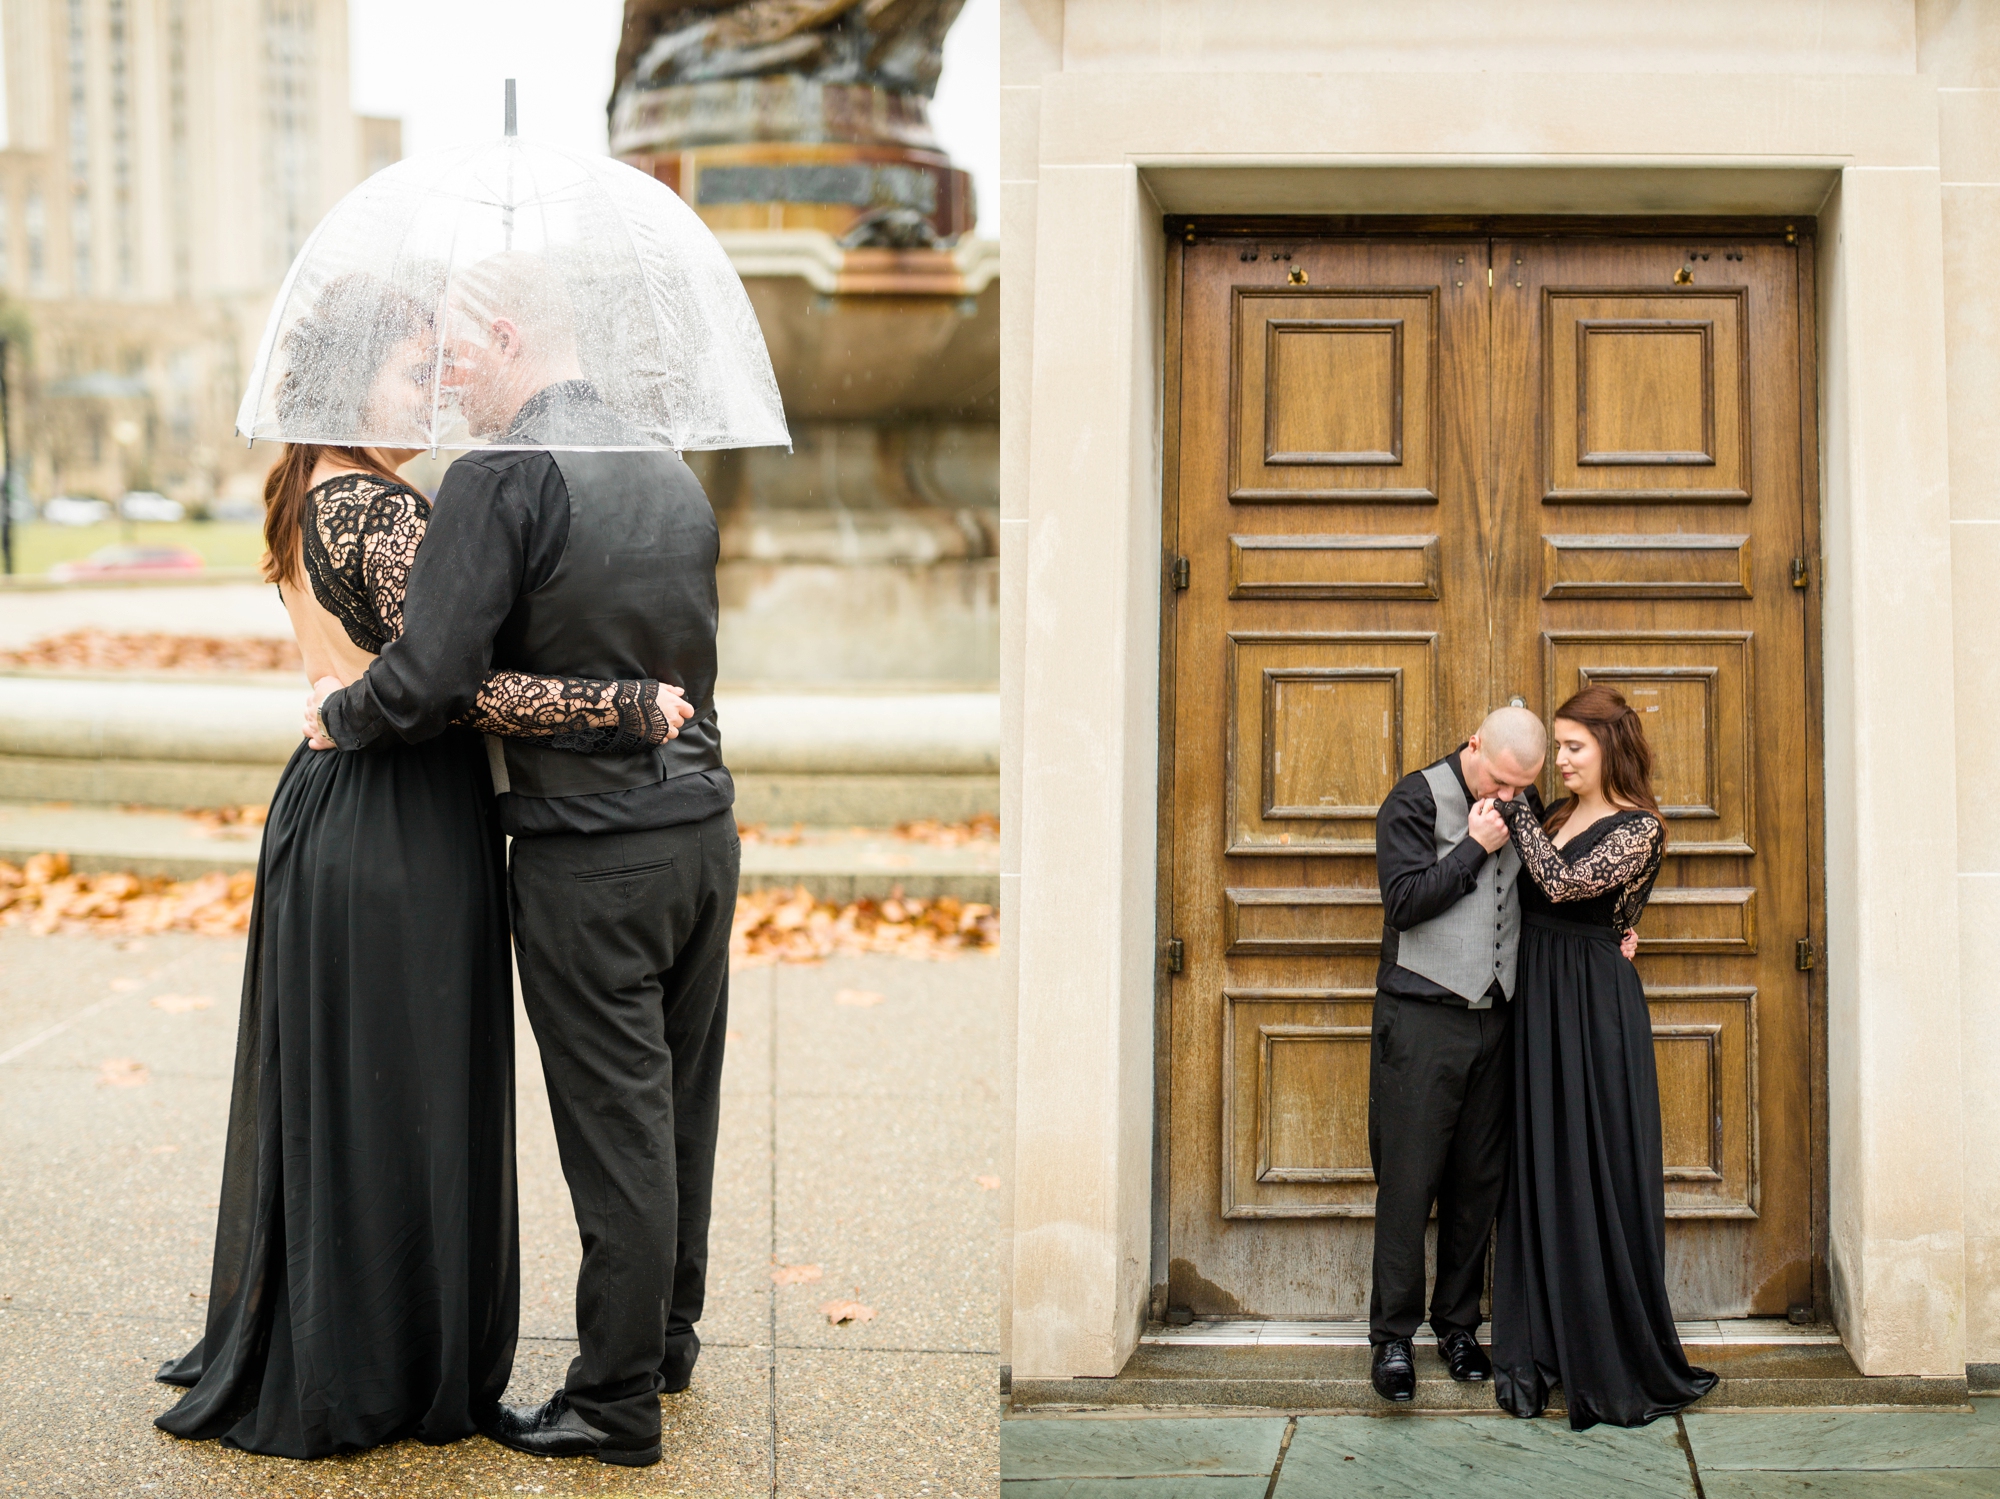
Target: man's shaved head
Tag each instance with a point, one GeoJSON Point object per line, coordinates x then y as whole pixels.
{"type": "Point", "coordinates": [1505, 756]}
{"type": "Point", "coordinates": [1516, 733]}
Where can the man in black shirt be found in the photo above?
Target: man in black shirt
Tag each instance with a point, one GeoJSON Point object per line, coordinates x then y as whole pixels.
{"type": "Point", "coordinates": [588, 562]}
{"type": "Point", "coordinates": [1440, 1068]}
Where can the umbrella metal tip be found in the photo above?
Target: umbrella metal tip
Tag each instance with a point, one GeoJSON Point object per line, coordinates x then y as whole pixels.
{"type": "Point", "coordinates": [510, 106]}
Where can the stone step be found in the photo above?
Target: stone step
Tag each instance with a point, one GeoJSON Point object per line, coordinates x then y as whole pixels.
{"type": "Point", "coordinates": [830, 759]}
{"type": "Point", "coordinates": [837, 864]}
{"type": "Point", "coordinates": [1792, 1374]}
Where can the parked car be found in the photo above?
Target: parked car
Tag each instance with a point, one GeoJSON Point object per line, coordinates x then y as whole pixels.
{"type": "Point", "coordinates": [114, 562]}
{"type": "Point", "coordinates": [236, 510]}
{"type": "Point", "coordinates": [68, 510]}
{"type": "Point", "coordinates": [145, 504]}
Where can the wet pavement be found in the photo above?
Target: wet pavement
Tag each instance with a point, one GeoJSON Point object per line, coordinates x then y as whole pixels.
{"type": "Point", "coordinates": [860, 1134]}
{"type": "Point", "coordinates": [1846, 1454]}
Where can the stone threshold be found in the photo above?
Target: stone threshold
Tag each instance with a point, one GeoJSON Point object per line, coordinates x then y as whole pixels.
{"type": "Point", "coordinates": [1246, 1333]}
{"type": "Point", "coordinates": [1323, 1367]}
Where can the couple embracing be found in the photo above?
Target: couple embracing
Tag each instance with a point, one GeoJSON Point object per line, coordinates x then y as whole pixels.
{"type": "Point", "coordinates": [560, 600]}
{"type": "Point", "coordinates": [1511, 1071]}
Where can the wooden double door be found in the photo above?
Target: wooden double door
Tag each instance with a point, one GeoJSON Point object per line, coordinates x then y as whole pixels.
{"type": "Point", "coordinates": [1412, 479]}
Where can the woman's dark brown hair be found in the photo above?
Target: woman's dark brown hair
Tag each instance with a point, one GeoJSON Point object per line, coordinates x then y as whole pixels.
{"type": "Point", "coordinates": [333, 353]}
{"type": "Point", "coordinates": [1628, 759]}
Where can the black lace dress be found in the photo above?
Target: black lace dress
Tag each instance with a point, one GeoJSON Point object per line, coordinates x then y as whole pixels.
{"type": "Point", "coordinates": [365, 1283]}
{"type": "Point", "coordinates": [1579, 1276]}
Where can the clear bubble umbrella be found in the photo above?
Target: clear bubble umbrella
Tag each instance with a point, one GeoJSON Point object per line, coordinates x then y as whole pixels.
{"type": "Point", "coordinates": [437, 297]}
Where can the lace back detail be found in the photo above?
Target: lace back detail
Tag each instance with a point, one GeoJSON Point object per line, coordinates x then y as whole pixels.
{"type": "Point", "coordinates": [360, 541]}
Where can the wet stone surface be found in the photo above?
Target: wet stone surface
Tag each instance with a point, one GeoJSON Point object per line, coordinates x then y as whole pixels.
{"type": "Point", "coordinates": [107, 1208]}
{"type": "Point", "coordinates": [1835, 1454]}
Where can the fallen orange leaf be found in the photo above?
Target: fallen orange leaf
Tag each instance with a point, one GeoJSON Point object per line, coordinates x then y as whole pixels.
{"type": "Point", "coordinates": [794, 1275]}
{"type": "Point", "coordinates": [858, 997]}
{"type": "Point", "coordinates": [122, 1072]}
{"type": "Point", "coordinates": [984, 828]}
{"type": "Point", "coordinates": [771, 926]}
{"type": "Point", "coordinates": [108, 650]}
{"type": "Point", "coordinates": [180, 1004]}
{"type": "Point", "coordinates": [840, 1313]}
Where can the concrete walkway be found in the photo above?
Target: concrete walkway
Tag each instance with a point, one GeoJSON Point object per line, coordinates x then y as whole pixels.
{"type": "Point", "coordinates": [860, 1135]}
{"type": "Point", "coordinates": [1833, 1455]}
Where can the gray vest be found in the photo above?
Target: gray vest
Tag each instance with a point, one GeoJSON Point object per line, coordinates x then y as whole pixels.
{"type": "Point", "coordinates": [1475, 942]}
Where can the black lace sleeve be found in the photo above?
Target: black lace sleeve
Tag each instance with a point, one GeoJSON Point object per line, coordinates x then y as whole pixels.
{"type": "Point", "coordinates": [570, 713]}
{"type": "Point", "coordinates": [359, 550]}
{"type": "Point", "coordinates": [1626, 857]}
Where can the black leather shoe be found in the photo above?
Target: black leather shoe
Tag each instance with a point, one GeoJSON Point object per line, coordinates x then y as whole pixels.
{"type": "Point", "coordinates": [1465, 1358]}
{"type": "Point", "coordinates": [552, 1429]}
{"type": "Point", "coordinates": [1394, 1371]}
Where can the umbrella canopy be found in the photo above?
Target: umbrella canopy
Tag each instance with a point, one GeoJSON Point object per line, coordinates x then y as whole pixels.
{"type": "Point", "coordinates": [436, 300]}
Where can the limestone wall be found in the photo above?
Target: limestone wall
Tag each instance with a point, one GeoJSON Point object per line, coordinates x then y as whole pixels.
{"type": "Point", "coordinates": [1878, 116]}
{"type": "Point", "coordinates": [1959, 45]}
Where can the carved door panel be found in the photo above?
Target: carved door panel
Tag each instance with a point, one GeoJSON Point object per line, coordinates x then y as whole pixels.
{"type": "Point", "coordinates": [1655, 493]}
{"type": "Point", "coordinates": [1331, 638]}
{"type": "Point", "coordinates": [1406, 495]}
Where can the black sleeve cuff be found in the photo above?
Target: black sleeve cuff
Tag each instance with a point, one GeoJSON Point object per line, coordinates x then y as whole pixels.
{"type": "Point", "coordinates": [350, 719]}
{"type": "Point", "coordinates": [1470, 856]}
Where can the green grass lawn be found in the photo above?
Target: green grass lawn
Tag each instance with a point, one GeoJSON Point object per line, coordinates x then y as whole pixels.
{"type": "Point", "coordinates": [38, 546]}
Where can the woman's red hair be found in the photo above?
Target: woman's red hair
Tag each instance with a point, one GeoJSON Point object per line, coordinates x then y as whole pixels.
{"type": "Point", "coordinates": [285, 489]}
{"type": "Point", "coordinates": [1628, 759]}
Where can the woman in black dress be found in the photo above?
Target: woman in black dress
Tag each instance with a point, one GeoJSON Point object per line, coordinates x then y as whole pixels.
{"type": "Point", "coordinates": [365, 1284]}
{"type": "Point", "coordinates": [1579, 1277]}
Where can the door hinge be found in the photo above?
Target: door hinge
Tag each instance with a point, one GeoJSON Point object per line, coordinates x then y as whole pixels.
{"type": "Point", "coordinates": [1801, 572]}
{"type": "Point", "coordinates": [1180, 571]}
{"type": "Point", "coordinates": [1176, 954]}
{"type": "Point", "coordinates": [1804, 954]}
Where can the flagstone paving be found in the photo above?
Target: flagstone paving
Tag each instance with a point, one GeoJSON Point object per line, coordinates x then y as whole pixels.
{"type": "Point", "coordinates": [861, 1137]}
{"type": "Point", "coordinates": [1833, 1455]}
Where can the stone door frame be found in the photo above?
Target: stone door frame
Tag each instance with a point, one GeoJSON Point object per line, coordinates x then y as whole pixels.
{"type": "Point", "coordinates": [1083, 468]}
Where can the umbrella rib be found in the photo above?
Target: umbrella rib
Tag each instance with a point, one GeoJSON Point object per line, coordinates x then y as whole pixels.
{"type": "Point", "coordinates": [444, 319]}
{"type": "Point", "coordinates": [651, 305]}
{"type": "Point", "coordinates": [261, 371]}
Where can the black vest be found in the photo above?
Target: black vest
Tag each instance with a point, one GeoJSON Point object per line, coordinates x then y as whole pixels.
{"type": "Point", "coordinates": [633, 596]}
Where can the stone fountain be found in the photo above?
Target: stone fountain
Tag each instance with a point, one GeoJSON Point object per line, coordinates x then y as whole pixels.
{"type": "Point", "coordinates": [799, 131]}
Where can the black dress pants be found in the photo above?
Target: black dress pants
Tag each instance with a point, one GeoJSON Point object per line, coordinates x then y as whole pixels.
{"type": "Point", "coordinates": [623, 946]}
{"type": "Point", "coordinates": [1440, 1091]}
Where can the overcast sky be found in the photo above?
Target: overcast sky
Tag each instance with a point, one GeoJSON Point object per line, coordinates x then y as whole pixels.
{"type": "Point", "coordinates": [440, 66]}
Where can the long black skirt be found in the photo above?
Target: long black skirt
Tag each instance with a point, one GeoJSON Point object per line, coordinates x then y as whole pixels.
{"type": "Point", "coordinates": [366, 1276]}
{"type": "Point", "coordinates": [1579, 1279]}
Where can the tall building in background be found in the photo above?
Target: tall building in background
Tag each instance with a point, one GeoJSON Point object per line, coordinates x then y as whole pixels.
{"type": "Point", "coordinates": [163, 162]}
